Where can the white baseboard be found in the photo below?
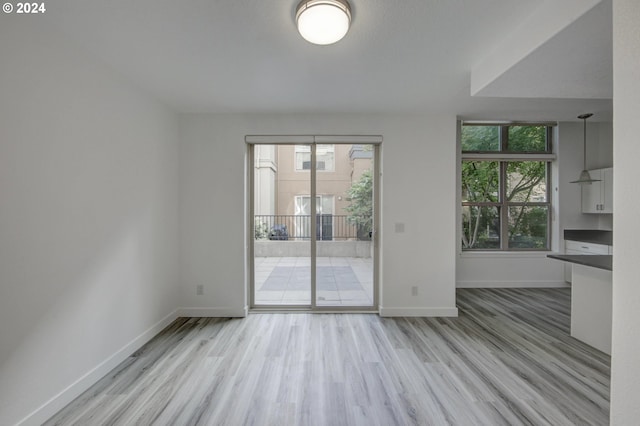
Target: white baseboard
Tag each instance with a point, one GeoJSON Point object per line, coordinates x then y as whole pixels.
{"type": "Point", "coordinates": [511, 284]}
{"type": "Point", "coordinates": [214, 312]}
{"type": "Point", "coordinates": [61, 400]}
{"type": "Point", "coordinates": [418, 312]}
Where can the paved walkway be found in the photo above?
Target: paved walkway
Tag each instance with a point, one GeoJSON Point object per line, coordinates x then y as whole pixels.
{"type": "Point", "coordinates": [340, 281]}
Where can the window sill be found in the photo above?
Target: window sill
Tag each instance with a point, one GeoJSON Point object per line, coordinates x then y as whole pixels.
{"type": "Point", "coordinates": [504, 254]}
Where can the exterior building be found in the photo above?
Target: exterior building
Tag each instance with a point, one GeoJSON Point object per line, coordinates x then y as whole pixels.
{"type": "Point", "coordinates": [282, 182]}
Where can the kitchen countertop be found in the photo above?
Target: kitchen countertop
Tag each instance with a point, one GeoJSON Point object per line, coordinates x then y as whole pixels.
{"type": "Point", "coordinates": [596, 236]}
{"type": "Point", "coordinates": [600, 261]}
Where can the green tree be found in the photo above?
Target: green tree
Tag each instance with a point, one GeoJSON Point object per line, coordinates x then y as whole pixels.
{"type": "Point", "coordinates": [480, 184]}
{"type": "Point", "coordinates": [526, 180]}
{"type": "Point", "coordinates": [480, 138]}
{"type": "Point", "coordinates": [360, 207]}
{"type": "Point", "coordinates": [527, 138]}
{"type": "Point", "coordinates": [487, 138]}
{"type": "Point", "coordinates": [261, 230]}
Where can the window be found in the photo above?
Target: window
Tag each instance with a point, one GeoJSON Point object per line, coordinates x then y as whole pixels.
{"type": "Point", "coordinates": [324, 157]}
{"type": "Point", "coordinates": [505, 191]}
{"type": "Point", "coordinates": [302, 204]}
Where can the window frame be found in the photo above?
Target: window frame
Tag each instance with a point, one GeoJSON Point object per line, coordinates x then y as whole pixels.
{"type": "Point", "coordinates": [503, 157]}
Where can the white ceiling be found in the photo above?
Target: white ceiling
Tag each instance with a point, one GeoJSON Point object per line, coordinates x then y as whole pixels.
{"type": "Point", "coordinates": [408, 56]}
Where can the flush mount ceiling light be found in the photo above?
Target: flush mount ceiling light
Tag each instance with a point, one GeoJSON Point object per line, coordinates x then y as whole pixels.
{"type": "Point", "coordinates": [323, 21]}
{"type": "Point", "coordinates": [585, 177]}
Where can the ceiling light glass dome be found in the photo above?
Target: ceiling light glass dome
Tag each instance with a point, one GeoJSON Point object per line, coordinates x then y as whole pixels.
{"type": "Point", "coordinates": [323, 21]}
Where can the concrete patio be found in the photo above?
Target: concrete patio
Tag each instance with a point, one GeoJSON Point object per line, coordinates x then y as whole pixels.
{"type": "Point", "coordinates": [340, 281]}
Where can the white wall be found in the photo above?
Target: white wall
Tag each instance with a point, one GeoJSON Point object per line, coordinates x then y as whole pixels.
{"type": "Point", "coordinates": [601, 156]}
{"type": "Point", "coordinates": [88, 220]}
{"type": "Point", "coordinates": [599, 144]}
{"type": "Point", "coordinates": [496, 270]}
{"type": "Point", "coordinates": [418, 189]}
{"type": "Point", "coordinates": [625, 372]}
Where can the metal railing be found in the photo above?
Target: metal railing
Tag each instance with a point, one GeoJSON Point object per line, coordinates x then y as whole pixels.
{"type": "Point", "coordinates": [298, 227]}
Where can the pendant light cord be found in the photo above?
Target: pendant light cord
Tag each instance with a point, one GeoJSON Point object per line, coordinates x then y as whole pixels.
{"type": "Point", "coordinates": [584, 144]}
{"type": "Point", "coordinates": [584, 117]}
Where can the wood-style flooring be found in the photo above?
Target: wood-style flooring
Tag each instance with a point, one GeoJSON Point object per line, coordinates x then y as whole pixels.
{"type": "Point", "coordinates": [507, 359]}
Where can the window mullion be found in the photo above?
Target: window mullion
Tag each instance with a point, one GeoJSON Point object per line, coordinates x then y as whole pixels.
{"type": "Point", "coordinates": [548, 199]}
{"type": "Point", "coordinates": [504, 138]}
{"type": "Point", "coordinates": [504, 211]}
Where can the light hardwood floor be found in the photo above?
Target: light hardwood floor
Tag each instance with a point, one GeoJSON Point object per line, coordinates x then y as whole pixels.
{"type": "Point", "coordinates": [507, 359]}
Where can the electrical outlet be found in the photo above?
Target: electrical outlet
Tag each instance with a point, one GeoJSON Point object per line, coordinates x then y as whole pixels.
{"type": "Point", "coordinates": [199, 290]}
{"type": "Point", "coordinates": [414, 290]}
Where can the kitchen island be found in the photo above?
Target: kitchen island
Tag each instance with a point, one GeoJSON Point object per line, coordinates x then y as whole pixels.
{"type": "Point", "coordinates": [591, 298]}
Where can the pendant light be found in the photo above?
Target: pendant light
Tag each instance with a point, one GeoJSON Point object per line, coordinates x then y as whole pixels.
{"type": "Point", "coordinates": [585, 177]}
{"type": "Point", "coordinates": [323, 21]}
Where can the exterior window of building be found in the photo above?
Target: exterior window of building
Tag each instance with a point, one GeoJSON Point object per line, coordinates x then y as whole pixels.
{"type": "Point", "coordinates": [505, 191]}
{"type": "Point", "coordinates": [324, 204]}
{"type": "Point", "coordinates": [325, 155]}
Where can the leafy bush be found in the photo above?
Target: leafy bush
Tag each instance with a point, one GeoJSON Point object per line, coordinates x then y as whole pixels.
{"type": "Point", "coordinates": [360, 208]}
{"type": "Point", "coordinates": [261, 230]}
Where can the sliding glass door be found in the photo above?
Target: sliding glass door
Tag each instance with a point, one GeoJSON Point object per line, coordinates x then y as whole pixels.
{"type": "Point", "coordinates": [282, 227]}
{"type": "Point", "coordinates": [313, 215]}
{"type": "Point", "coordinates": [344, 225]}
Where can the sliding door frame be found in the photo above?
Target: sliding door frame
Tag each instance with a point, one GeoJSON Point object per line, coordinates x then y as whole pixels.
{"type": "Point", "coordinates": [312, 141]}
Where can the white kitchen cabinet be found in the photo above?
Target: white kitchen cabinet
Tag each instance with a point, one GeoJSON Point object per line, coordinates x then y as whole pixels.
{"type": "Point", "coordinates": [579, 247]}
{"type": "Point", "coordinates": [591, 306]}
{"type": "Point", "coordinates": [598, 197]}
{"type": "Point", "coordinates": [607, 190]}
